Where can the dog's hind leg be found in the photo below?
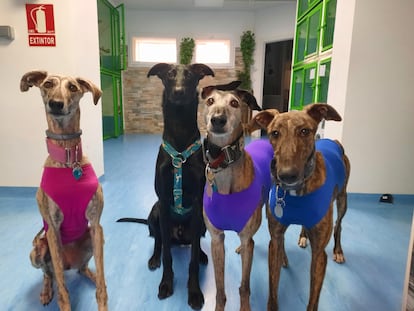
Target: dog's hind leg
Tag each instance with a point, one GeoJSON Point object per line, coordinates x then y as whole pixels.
{"type": "Point", "coordinates": [303, 238]}
{"type": "Point", "coordinates": [341, 205]}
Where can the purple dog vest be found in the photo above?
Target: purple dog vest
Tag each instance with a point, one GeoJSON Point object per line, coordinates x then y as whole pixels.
{"type": "Point", "coordinates": [72, 196]}
{"type": "Point", "coordinates": [309, 209]}
{"type": "Point", "coordinates": [232, 211]}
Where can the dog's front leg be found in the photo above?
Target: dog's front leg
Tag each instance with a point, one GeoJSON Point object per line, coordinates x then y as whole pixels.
{"type": "Point", "coordinates": [247, 248]}
{"type": "Point", "coordinates": [218, 255]}
{"type": "Point", "coordinates": [276, 259]}
{"type": "Point", "coordinates": [319, 237]}
{"type": "Point", "coordinates": [195, 295]}
{"type": "Point", "coordinates": [165, 288]}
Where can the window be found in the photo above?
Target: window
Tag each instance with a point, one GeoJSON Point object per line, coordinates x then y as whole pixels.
{"type": "Point", "coordinates": [216, 52]}
{"type": "Point", "coordinates": [154, 50]}
{"type": "Point", "coordinates": [147, 51]}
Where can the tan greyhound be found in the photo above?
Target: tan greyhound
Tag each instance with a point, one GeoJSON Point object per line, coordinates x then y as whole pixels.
{"type": "Point", "coordinates": [238, 182]}
{"type": "Point", "coordinates": [309, 176]}
{"type": "Point", "coordinates": [70, 197]}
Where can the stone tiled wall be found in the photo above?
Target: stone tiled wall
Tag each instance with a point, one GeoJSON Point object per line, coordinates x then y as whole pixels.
{"type": "Point", "coordinates": [142, 97]}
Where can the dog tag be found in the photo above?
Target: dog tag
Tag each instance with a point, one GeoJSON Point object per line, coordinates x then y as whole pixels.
{"type": "Point", "coordinates": [280, 204]}
{"type": "Point", "coordinates": [77, 171]}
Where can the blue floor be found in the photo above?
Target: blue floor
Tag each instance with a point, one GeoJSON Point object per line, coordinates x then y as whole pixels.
{"type": "Point", "coordinates": [375, 241]}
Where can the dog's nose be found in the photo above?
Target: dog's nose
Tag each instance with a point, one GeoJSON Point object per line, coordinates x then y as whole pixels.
{"type": "Point", "coordinates": [55, 106]}
{"type": "Point", "coordinates": [219, 121]}
{"type": "Point", "coordinates": [288, 176]}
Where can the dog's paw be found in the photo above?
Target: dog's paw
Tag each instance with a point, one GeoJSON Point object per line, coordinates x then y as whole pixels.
{"type": "Point", "coordinates": [196, 300]}
{"type": "Point", "coordinates": [339, 257]}
{"type": "Point", "coordinates": [46, 296]}
{"type": "Point", "coordinates": [203, 258]}
{"type": "Point", "coordinates": [303, 242]}
{"type": "Point", "coordinates": [154, 263]}
{"type": "Point", "coordinates": [165, 290]}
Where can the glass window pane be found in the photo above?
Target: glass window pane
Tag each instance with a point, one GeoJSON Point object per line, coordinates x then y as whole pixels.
{"type": "Point", "coordinates": [212, 51]}
{"type": "Point", "coordinates": [154, 50]}
{"type": "Point", "coordinates": [324, 73]}
{"type": "Point", "coordinates": [309, 87]}
{"type": "Point", "coordinates": [300, 41]}
{"type": "Point", "coordinates": [330, 23]}
{"type": "Point", "coordinates": [313, 34]}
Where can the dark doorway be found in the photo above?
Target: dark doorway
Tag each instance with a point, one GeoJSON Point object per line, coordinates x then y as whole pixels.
{"type": "Point", "coordinates": [277, 71]}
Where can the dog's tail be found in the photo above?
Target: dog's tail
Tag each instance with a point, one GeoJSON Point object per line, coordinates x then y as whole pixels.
{"type": "Point", "coordinates": [136, 220]}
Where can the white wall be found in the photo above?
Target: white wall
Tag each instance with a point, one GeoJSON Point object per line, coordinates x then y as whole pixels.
{"type": "Point", "coordinates": [371, 84]}
{"type": "Point", "coordinates": [22, 118]}
{"type": "Point", "coordinates": [275, 24]}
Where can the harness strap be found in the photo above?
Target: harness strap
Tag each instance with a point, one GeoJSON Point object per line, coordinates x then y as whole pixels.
{"type": "Point", "coordinates": [177, 160]}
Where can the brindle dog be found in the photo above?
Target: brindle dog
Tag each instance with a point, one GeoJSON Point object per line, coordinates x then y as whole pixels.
{"type": "Point", "coordinates": [305, 170]}
{"type": "Point", "coordinates": [71, 203]}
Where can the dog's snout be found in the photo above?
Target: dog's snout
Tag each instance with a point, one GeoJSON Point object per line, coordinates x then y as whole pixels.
{"type": "Point", "coordinates": [219, 121]}
{"type": "Point", "coordinates": [288, 176]}
{"type": "Point", "coordinates": [56, 106]}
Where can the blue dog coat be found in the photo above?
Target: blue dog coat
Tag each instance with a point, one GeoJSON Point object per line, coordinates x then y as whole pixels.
{"type": "Point", "coordinates": [232, 211]}
{"type": "Point", "coordinates": [309, 209]}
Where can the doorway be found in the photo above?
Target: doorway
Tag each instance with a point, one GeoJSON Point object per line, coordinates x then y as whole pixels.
{"type": "Point", "coordinates": [277, 72]}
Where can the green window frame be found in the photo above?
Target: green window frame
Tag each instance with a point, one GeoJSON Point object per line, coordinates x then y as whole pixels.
{"type": "Point", "coordinates": [304, 6]}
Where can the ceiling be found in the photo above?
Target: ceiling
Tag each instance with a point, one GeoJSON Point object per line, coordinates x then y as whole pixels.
{"type": "Point", "coordinates": [199, 4]}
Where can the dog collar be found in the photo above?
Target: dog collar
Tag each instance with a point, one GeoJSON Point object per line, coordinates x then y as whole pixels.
{"type": "Point", "coordinates": [71, 157]}
{"type": "Point", "coordinates": [52, 135]}
{"type": "Point", "coordinates": [221, 157]}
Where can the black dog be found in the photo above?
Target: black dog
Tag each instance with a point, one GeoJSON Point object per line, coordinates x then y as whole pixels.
{"type": "Point", "coordinates": [177, 216]}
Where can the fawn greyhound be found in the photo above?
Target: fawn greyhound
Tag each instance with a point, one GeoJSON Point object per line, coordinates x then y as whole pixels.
{"type": "Point", "coordinates": [238, 181]}
{"type": "Point", "coordinates": [70, 197]}
{"type": "Point", "coordinates": [309, 176]}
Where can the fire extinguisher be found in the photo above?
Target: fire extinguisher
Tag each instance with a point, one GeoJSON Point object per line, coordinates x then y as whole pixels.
{"type": "Point", "coordinates": [40, 20]}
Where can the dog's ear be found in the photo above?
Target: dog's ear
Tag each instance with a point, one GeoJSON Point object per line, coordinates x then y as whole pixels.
{"type": "Point", "coordinates": [229, 86]}
{"type": "Point", "coordinates": [32, 78]}
{"type": "Point", "coordinates": [322, 111]}
{"type": "Point", "coordinates": [159, 70]}
{"type": "Point", "coordinates": [206, 91]}
{"type": "Point", "coordinates": [249, 99]}
{"type": "Point", "coordinates": [262, 119]}
{"type": "Point", "coordinates": [202, 70]}
{"type": "Point", "coordinates": [221, 87]}
{"type": "Point", "coordinates": [88, 86]}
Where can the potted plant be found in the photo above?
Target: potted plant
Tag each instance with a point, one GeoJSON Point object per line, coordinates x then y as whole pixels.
{"type": "Point", "coordinates": [187, 46]}
{"type": "Point", "coordinates": [247, 47]}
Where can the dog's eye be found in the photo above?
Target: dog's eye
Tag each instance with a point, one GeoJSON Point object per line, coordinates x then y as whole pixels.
{"type": "Point", "coordinates": [304, 132]}
{"type": "Point", "coordinates": [234, 103]}
{"type": "Point", "coordinates": [171, 74]}
{"type": "Point", "coordinates": [73, 88]}
{"type": "Point", "coordinates": [48, 84]}
{"type": "Point", "coordinates": [274, 134]}
{"type": "Point", "coordinates": [210, 101]}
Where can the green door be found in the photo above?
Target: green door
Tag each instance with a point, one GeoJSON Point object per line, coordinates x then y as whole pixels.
{"type": "Point", "coordinates": [112, 61]}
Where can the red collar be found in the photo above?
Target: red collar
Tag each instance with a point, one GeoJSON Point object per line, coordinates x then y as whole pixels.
{"type": "Point", "coordinates": [67, 156]}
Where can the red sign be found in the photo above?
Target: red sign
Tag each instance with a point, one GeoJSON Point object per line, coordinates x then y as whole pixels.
{"type": "Point", "coordinates": [40, 24]}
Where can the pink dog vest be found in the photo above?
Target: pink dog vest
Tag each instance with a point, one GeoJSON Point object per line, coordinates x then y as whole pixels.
{"type": "Point", "coordinates": [72, 196]}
